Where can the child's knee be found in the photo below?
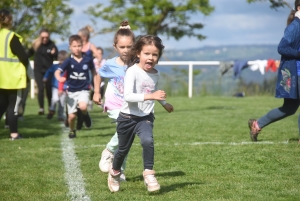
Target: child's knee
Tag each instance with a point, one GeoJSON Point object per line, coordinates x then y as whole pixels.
{"type": "Point", "coordinates": [82, 106]}
{"type": "Point", "coordinates": [146, 142]}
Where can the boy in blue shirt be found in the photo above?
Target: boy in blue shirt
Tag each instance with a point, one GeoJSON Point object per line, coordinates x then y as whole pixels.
{"type": "Point", "coordinates": [78, 82]}
{"type": "Point", "coordinates": [56, 98]}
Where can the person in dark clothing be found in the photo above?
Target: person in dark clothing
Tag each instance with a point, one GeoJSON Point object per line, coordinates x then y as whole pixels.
{"type": "Point", "coordinates": [13, 69]}
{"type": "Point", "coordinates": [45, 52]}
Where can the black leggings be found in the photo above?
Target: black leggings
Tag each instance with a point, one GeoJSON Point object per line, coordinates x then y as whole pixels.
{"type": "Point", "coordinates": [41, 86]}
{"type": "Point", "coordinates": [8, 100]}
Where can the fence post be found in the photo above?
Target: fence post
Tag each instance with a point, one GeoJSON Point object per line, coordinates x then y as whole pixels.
{"type": "Point", "coordinates": [190, 79]}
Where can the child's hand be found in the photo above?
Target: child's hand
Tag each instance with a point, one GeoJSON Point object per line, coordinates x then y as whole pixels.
{"type": "Point", "coordinates": [60, 93]}
{"type": "Point", "coordinates": [44, 79]}
{"type": "Point", "coordinates": [97, 98]}
{"type": "Point", "coordinates": [53, 51]}
{"type": "Point", "coordinates": [61, 79]}
{"type": "Point", "coordinates": [169, 107]}
{"type": "Point", "coordinates": [159, 95]}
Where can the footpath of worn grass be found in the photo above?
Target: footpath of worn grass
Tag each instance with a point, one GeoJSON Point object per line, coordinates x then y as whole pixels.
{"type": "Point", "coordinates": [202, 152]}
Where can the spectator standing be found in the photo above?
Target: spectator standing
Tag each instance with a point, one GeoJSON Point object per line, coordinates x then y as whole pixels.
{"type": "Point", "coordinates": [45, 52]}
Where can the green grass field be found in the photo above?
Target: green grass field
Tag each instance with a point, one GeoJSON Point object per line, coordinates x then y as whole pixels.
{"type": "Point", "coordinates": [202, 152]}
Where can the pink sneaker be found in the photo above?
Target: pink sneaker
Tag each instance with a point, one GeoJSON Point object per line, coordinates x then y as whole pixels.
{"type": "Point", "coordinates": [113, 181]}
{"type": "Point", "coordinates": [254, 129]}
{"type": "Point", "coordinates": [150, 180]}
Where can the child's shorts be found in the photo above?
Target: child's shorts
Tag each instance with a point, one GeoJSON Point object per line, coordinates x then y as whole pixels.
{"type": "Point", "coordinates": [73, 98]}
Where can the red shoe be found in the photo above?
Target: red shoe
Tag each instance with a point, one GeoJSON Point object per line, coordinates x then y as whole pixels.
{"type": "Point", "coordinates": [254, 129]}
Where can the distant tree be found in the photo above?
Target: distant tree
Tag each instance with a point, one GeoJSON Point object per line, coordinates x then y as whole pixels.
{"type": "Point", "coordinates": [274, 3]}
{"type": "Point", "coordinates": [30, 16]}
{"type": "Point", "coordinates": [165, 17]}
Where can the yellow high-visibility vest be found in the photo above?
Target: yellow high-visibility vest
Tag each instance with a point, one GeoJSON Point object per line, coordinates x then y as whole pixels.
{"type": "Point", "coordinates": [12, 71]}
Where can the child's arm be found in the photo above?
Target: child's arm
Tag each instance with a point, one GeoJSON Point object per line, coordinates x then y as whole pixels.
{"type": "Point", "coordinates": [48, 72]}
{"type": "Point", "coordinates": [61, 85]}
{"type": "Point", "coordinates": [97, 81]}
{"type": "Point", "coordinates": [58, 77]}
{"type": "Point", "coordinates": [130, 96]}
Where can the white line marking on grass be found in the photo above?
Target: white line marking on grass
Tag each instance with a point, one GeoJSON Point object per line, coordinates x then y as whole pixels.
{"type": "Point", "coordinates": [73, 175]}
{"type": "Point", "coordinates": [198, 143]}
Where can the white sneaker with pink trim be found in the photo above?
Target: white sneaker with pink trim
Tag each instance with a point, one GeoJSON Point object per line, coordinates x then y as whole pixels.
{"type": "Point", "coordinates": [113, 181]}
{"type": "Point", "coordinates": [150, 180]}
{"type": "Point", "coordinates": [106, 160]}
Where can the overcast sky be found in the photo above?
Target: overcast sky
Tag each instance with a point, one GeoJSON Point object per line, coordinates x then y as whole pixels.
{"type": "Point", "coordinates": [233, 22]}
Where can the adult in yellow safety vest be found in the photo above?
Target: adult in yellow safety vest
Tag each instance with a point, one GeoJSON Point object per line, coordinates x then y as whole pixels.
{"type": "Point", "coordinates": [13, 68]}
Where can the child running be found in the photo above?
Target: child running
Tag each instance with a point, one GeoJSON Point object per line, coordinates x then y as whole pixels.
{"type": "Point", "coordinates": [56, 98]}
{"type": "Point", "coordinates": [78, 83]}
{"type": "Point", "coordinates": [136, 115]}
{"type": "Point", "coordinates": [114, 69]}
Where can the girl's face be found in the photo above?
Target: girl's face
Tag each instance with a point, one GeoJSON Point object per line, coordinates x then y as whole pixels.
{"type": "Point", "coordinates": [148, 57]}
{"type": "Point", "coordinates": [123, 46]}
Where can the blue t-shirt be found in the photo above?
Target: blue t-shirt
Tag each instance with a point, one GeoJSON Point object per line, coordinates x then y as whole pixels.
{"type": "Point", "coordinates": [114, 93]}
{"type": "Point", "coordinates": [78, 77]}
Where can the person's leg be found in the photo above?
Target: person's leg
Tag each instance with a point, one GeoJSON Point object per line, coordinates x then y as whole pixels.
{"type": "Point", "coordinates": [126, 134]}
{"type": "Point", "coordinates": [48, 86]}
{"type": "Point", "coordinates": [145, 132]}
{"type": "Point", "coordinates": [83, 100]}
{"type": "Point", "coordinates": [113, 144]}
{"type": "Point", "coordinates": [61, 107]}
{"type": "Point", "coordinates": [72, 109]}
{"type": "Point", "coordinates": [54, 100]}
{"type": "Point", "coordinates": [289, 107]}
{"type": "Point", "coordinates": [25, 93]}
{"type": "Point", "coordinates": [12, 112]}
{"type": "Point", "coordinates": [38, 76]}
{"type": "Point", "coordinates": [3, 102]}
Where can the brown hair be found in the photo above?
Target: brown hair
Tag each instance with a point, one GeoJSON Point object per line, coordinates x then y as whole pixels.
{"type": "Point", "coordinates": [86, 31]}
{"type": "Point", "coordinates": [124, 30]}
{"type": "Point", "coordinates": [142, 41]}
{"type": "Point", "coordinates": [292, 13]}
{"type": "Point", "coordinates": [75, 38]}
{"type": "Point", "coordinates": [62, 54]}
{"type": "Point", "coordinates": [38, 41]}
{"type": "Point", "coordinates": [5, 19]}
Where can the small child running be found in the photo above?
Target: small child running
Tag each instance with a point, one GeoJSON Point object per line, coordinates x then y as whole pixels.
{"type": "Point", "coordinates": [114, 70]}
{"type": "Point", "coordinates": [56, 98]}
{"type": "Point", "coordinates": [136, 116]}
{"type": "Point", "coordinates": [77, 67]}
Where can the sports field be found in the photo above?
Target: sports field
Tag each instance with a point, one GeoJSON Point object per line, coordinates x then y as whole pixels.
{"type": "Point", "coordinates": [202, 152]}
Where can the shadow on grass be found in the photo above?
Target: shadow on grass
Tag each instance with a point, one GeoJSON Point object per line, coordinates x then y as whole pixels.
{"type": "Point", "coordinates": [174, 187]}
{"type": "Point", "coordinates": [159, 174]}
{"type": "Point", "coordinates": [219, 108]}
{"type": "Point", "coordinates": [34, 126]}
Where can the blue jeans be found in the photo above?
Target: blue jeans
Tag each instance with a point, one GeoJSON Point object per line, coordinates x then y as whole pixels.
{"type": "Point", "coordinates": [128, 126]}
{"type": "Point", "coordinates": [289, 107]}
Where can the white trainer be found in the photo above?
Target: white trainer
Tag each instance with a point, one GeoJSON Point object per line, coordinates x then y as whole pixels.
{"type": "Point", "coordinates": [106, 160]}
{"type": "Point", "coordinates": [122, 177]}
{"type": "Point", "coordinates": [113, 180]}
{"type": "Point", "coordinates": [150, 180]}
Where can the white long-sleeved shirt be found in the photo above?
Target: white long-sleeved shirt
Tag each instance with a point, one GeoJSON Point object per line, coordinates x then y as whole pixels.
{"type": "Point", "coordinates": [137, 83]}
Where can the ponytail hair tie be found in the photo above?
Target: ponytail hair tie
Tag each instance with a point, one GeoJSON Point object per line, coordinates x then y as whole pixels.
{"type": "Point", "coordinates": [124, 27]}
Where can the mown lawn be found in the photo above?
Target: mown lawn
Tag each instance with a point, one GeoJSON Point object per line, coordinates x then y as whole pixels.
{"type": "Point", "coordinates": [202, 152]}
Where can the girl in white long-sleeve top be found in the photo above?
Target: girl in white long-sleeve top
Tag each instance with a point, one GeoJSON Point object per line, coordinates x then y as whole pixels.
{"type": "Point", "coordinates": [136, 116]}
